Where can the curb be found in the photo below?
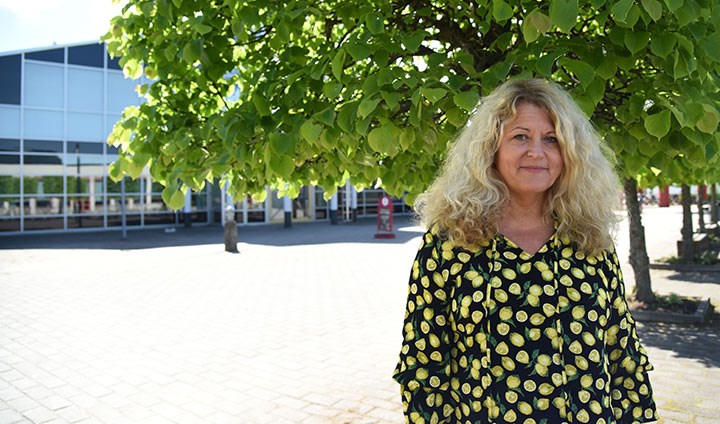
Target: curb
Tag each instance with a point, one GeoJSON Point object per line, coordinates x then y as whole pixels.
{"type": "Point", "coordinates": [698, 318]}
{"type": "Point", "coordinates": [686, 267]}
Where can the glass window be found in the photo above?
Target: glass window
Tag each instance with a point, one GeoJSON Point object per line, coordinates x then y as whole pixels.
{"type": "Point", "coordinates": [85, 89]}
{"type": "Point", "coordinates": [131, 186]}
{"type": "Point", "coordinates": [42, 160]}
{"type": "Point", "coordinates": [85, 126]}
{"type": "Point", "coordinates": [12, 224]}
{"type": "Point", "coordinates": [9, 165]}
{"type": "Point", "coordinates": [9, 121]}
{"type": "Point", "coordinates": [43, 205]}
{"type": "Point", "coordinates": [121, 92]}
{"type": "Point", "coordinates": [52, 55]}
{"type": "Point", "coordinates": [87, 55]}
{"type": "Point", "coordinates": [42, 185]}
{"type": "Point", "coordinates": [43, 124]}
{"type": "Point", "coordinates": [45, 223]}
{"type": "Point", "coordinates": [9, 145]}
{"type": "Point", "coordinates": [10, 79]}
{"type": "Point", "coordinates": [113, 62]}
{"type": "Point", "coordinates": [84, 147]}
{"type": "Point", "coordinates": [9, 184]}
{"type": "Point", "coordinates": [44, 85]}
{"type": "Point", "coordinates": [43, 146]}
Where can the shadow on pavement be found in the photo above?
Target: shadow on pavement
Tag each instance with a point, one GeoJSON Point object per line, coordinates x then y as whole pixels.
{"type": "Point", "coordinates": [304, 233]}
{"type": "Point", "coordinates": [701, 343]}
{"type": "Point", "coordinates": [696, 277]}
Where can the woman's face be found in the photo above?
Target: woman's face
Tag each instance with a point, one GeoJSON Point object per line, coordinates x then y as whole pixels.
{"type": "Point", "coordinates": [529, 159]}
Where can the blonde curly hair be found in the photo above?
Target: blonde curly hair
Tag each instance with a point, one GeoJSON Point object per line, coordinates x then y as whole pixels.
{"type": "Point", "coordinates": [467, 198]}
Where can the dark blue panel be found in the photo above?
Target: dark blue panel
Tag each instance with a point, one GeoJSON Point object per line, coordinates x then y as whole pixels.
{"type": "Point", "coordinates": [10, 159]}
{"type": "Point", "coordinates": [9, 145]}
{"type": "Point", "coordinates": [96, 148]}
{"type": "Point", "coordinates": [113, 63]}
{"type": "Point", "coordinates": [43, 146]}
{"type": "Point", "coordinates": [10, 79]}
{"type": "Point", "coordinates": [88, 55]}
{"type": "Point", "coordinates": [41, 160]}
{"type": "Point", "coordinates": [54, 55]}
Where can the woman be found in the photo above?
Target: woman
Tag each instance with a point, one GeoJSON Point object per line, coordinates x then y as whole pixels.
{"type": "Point", "coordinates": [516, 310]}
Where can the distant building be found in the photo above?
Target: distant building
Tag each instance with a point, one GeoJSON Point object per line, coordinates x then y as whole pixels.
{"type": "Point", "coordinates": [57, 106]}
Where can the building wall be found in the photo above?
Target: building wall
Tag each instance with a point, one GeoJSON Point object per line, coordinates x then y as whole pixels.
{"type": "Point", "coordinates": [57, 107]}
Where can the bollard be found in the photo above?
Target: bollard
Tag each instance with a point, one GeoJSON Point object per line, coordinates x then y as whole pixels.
{"type": "Point", "coordinates": [230, 230]}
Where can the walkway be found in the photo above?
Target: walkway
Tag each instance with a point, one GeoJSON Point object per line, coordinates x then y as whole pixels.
{"type": "Point", "coordinates": [302, 326]}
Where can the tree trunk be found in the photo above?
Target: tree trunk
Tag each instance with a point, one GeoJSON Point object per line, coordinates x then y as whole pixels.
{"type": "Point", "coordinates": [701, 213]}
{"type": "Point", "coordinates": [638, 251]}
{"type": "Point", "coordinates": [687, 253]}
{"type": "Point", "coordinates": [713, 204]}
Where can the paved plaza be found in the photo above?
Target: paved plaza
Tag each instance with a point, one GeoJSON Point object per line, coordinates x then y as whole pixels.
{"type": "Point", "coordinates": [302, 326]}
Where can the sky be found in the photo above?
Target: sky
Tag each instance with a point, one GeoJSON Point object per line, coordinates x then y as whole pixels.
{"type": "Point", "coordinates": [29, 24]}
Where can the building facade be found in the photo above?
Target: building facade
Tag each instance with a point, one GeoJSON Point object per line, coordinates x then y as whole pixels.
{"type": "Point", "coordinates": [57, 106]}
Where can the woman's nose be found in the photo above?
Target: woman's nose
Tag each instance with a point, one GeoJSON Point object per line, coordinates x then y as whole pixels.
{"type": "Point", "coordinates": [535, 147]}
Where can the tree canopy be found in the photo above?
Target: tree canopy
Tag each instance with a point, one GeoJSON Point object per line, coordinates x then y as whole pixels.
{"type": "Point", "coordinates": [297, 92]}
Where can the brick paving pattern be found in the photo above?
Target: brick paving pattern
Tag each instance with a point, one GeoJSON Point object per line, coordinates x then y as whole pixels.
{"type": "Point", "coordinates": [302, 326]}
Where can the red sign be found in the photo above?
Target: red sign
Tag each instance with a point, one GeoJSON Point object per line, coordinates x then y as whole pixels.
{"type": "Point", "coordinates": [385, 218]}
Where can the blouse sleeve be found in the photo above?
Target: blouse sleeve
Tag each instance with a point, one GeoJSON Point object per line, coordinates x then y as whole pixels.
{"type": "Point", "coordinates": [423, 369]}
{"type": "Point", "coordinates": [631, 392]}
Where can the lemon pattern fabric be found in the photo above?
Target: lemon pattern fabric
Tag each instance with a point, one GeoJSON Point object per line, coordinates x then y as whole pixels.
{"type": "Point", "coordinates": [493, 334]}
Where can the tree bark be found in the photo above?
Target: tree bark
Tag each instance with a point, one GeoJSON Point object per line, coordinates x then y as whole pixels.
{"type": "Point", "coordinates": [638, 250]}
{"type": "Point", "coordinates": [687, 253]}
{"type": "Point", "coordinates": [713, 204]}
{"type": "Point", "coordinates": [701, 213]}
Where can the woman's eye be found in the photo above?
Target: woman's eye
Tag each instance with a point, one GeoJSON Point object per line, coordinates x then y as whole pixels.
{"type": "Point", "coordinates": [551, 139]}
{"type": "Point", "coordinates": [520, 137]}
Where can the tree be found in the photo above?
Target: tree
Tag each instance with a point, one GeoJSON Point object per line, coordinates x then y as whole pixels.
{"type": "Point", "coordinates": [290, 93]}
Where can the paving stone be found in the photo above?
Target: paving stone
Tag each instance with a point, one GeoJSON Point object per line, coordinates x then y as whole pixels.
{"type": "Point", "coordinates": [303, 326]}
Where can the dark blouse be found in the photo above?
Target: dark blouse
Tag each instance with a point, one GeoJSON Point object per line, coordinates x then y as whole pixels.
{"type": "Point", "coordinates": [496, 335]}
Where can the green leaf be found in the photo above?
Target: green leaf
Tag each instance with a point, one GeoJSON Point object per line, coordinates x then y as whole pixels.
{"type": "Point", "coordinates": [535, 23]}
{"type": "Point", "coordinates": [501, 11]}
{"type": "Point", "coordinates": [467, 100]}
{"type": "Point", "coordinates": [375, 23]}
{"type": "Point", "coordinates": [192, 51]}
{"type": "Point", "coordinates": [282, 165]}
{"type": "Point", "coordinates": [583, 71]}
{"type": "Point", "coordinates": [326, 116]}
{"type": "Point", "coordinates": [662, 44]}
{"type": "Point", "coordinates": [674, 5]}
{"type": "Point", "coordinates": [433, 94]}
{"type": "Point", "coordinates": [658, 125]}
{"type": "Point", "coordinates": [367, 106]}
{"type": "Point", "coordinates": [332, 89]}
{"type": "Point", "coordinates": [358, 51]}
{"type": "Point", "coordinates": [338, 64]}
{"type": "Point", "coordinates": [173, 196]}
{"type": "Point", "coordinates": [621, 9]}
{"type": "Point", "coordinates": [261, 105]}
{"type": "Point", "coordinates": [412, 42]}
{"type": "Point", "coordinates": [711, 46]}
{"type": "Point", "coordinates": [392, 99]}
{"type": "Point", "coordinates": [709, 121]}
{"type": "Point", "coordinates": [636, 41]}
{"type": "Point", "coordinates": [383, 139]}
{"type": "Point", "coordinates": [653, 8]}
{"type": "Point", "coordinates": [407, 138]}
{"type": "Point", "coordinates": [564, 13]}
{"type": "Point", "coordinates": [310, 131]}
{"type": "Point", "coordinates": [280, 143]}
